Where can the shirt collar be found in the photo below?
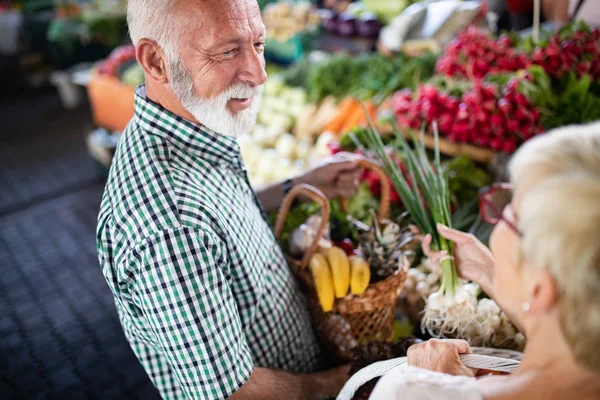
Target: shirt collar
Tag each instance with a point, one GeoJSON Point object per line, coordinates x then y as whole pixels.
{"type": "Point", "coordinates": [197, 139]}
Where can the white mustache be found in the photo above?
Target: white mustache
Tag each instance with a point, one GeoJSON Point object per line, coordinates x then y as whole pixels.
{"type": "Point", "coordinates": [241, 91]}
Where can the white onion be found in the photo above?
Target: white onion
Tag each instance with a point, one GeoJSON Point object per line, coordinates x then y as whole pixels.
{"type": "Point", "coordinates": [432, 279]}
{"type": "Point", "coordinates": [461, 297]}
{"type": "Point", "coordinates": [435, 301]}
{"type": "Point", "coordinates": [493, 322]}
{"type": "Point", "coordinates": [422, 288]}
{"type": "Point", "coordinates": [303, 150]}
{"type": "Point", "coordinates": [286, 146]}
{"type": "Point", "coordinates": [412, 273]}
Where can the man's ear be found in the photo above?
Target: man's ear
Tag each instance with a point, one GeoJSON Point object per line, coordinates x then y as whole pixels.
{"type": "Point", "coordinates": [152, 60]}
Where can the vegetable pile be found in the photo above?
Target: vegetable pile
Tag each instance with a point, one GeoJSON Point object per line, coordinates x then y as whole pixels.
{"type": "Point", "coordinates": [283, 20]}
{"type": "Point", "coordinates": [483, 114]}
{"type": "Point", "coordinates": [271, 152]}
{"type": "Point", "coordinates": [354, 21]}
{"type": "Point", "coordinates": [367, 76]}
{"type": "Point", "coordinates": [498, 93]}
{"type": "Point", "coordinates": [489, 326]}
{"type": "Point", "coordinates": [475, 54]}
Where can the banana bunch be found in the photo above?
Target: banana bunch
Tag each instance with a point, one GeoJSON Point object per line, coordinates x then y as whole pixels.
{"type": "Point", "coordinates": [334, 273]}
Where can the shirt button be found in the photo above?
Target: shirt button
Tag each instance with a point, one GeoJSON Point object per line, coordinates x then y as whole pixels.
{"type": "Point", "coordinates": [223, 165]}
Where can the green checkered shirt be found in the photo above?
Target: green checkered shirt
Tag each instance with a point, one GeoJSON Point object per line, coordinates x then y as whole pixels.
{"type": "Point", "coordinates": [200, 283]}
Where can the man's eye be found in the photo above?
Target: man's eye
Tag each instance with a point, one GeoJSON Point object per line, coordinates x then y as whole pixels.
{"type": "Point", "coordinates": [229, 52]}
{"type": "Point", "coordinates": [259, 46]}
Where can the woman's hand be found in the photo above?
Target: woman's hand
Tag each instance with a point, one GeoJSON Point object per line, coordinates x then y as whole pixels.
{"type": "Point", "coordinates": [440, 356]}
{"type": "Point", "coordinates": [473, 260]}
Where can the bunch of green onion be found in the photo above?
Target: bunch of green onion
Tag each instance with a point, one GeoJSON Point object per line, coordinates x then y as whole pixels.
{"type": "Point", "coordinates": [427, 199]}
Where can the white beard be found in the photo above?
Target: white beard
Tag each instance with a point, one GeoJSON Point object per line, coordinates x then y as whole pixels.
{"type": "Point", "coordinates": [213, 113]}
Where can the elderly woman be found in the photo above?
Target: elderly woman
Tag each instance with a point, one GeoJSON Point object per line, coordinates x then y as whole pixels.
{"type": "Point", "coordinates": [543, 270]}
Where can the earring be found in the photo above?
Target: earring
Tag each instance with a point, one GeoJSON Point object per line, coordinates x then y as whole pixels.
{"type": "Point", "coordinates": [526, 306]}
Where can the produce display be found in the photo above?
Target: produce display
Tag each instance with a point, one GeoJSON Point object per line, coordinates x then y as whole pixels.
{"type": "Point", "coordinates": [475, 54]}
{"type": "Point", "coordinates": [271, 142]}
{"type": "Point", "coordinates": [369, 76]}
{"type": "Point", "coordinates": [356, 20]}
{"type": "Point", "coordinates": [283, 20]}
{"type": "Point", "coordinates": [498, 93]}
{"type": "Point", "coordinates": [484, 92]}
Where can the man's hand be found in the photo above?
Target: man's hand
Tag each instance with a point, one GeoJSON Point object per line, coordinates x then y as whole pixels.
{"type": "Point", "coordinates": [267, 384]}
{"type": "Point", "coordinates": [326, 384]}
{"type": "Point", "coordinates": [440, 356]}
{"type": "Point", "coordinates": [335, 176]}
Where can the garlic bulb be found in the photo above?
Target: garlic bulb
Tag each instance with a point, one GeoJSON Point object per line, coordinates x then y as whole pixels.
{"type": "Point", "coordinates": [301, 239]}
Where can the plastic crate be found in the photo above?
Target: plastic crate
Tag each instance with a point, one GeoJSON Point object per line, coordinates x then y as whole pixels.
{"type": "Point", "coordinates": [111, 101]}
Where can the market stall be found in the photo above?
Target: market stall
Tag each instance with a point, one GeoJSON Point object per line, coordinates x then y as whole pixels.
{"type": "Point", "coordinates": [437, 103]}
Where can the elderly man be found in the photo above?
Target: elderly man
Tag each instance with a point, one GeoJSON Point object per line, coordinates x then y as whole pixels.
{"type": "Point", "coordinates": [201, 286]}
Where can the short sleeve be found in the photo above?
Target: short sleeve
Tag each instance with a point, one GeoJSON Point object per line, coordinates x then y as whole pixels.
{"type": "Point", "coordinates": [190, 310]}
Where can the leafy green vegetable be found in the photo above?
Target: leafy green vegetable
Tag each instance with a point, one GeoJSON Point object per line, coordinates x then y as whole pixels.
{"type": "Point", "coordinates": [297, 73]}
{"type": "Point", "coordinates": [339, 225]}
{"type": "Point", "coordinates": [363, 201]}
{"type": "Point", "coordinates": [465, 179]}
{"type": "Point", "coordinates": [367, 76]}
{"type": "Point", "coordinates": [571, 100]}
{"type": "Point", "coordinates": [468, 219]}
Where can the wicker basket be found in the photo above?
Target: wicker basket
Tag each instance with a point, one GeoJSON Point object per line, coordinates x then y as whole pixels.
{"type": "Point", "coordinates": [354, 319]}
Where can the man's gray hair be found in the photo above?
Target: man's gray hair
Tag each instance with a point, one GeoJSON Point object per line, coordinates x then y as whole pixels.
{"type": "Point", "coordinates": [151, 19]}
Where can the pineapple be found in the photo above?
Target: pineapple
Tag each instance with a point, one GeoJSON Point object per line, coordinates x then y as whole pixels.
{"type": "Point", "coordinates": [384, 244]}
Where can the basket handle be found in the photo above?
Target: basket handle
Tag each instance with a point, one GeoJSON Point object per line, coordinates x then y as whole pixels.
{"type": "Point", "coordinates": [385, 198]}
{"type": "Point", "coordinates": [318, 197]}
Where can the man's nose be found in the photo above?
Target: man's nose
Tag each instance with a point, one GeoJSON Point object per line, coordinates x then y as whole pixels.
{"type": "Point", "coordinates": [252, 69]}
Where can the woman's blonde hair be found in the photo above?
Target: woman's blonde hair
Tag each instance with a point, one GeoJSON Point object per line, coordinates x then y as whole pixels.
{"type": "Point", "coordinates": [560, 221]}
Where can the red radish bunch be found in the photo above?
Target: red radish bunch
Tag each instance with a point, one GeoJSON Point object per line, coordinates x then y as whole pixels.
{"type": "Point", "coordinates": [475, 54]}
{"type": "Point", "coordinates": [118, 57]}
{"type": "Point", "coordinates": [581, 51]}
{"type": "Point", "coordinates": [374, 182]}
{"type": "Point", "coordinates": [481, 116]}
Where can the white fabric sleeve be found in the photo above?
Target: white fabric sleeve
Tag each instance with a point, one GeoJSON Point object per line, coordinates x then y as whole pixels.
{"type": "Point", "coordinates": [410, 383]}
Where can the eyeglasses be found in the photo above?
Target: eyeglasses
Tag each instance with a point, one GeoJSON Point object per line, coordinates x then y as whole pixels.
{"type": "Point", "coordinates": [492, 202]}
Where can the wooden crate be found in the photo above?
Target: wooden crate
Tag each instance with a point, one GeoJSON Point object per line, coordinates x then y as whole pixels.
{"type": "Point", "coordinates": [450, 148]}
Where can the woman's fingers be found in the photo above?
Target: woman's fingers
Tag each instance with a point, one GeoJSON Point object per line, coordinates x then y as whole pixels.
{"type": "Point", "coordinates": [426, 245]}
{"type": "Point", "coordinates": [436, 257]}
{"type": "Point", "coordinates": [457, 237]}
{"type": "Point", "coordinates": [461, 346]}
{"type": "Point", "coordinates": [440, 355]}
